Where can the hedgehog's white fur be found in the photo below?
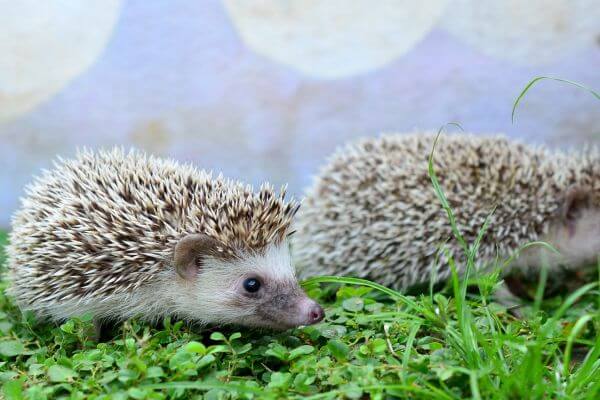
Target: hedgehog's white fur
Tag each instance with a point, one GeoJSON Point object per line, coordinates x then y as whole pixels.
{"type": "Point", "coordinates": [97, 235]}
{"type": "Point", "coordinates": [372, 211]}
{"type": "Point", "coordinates": [162, 298]}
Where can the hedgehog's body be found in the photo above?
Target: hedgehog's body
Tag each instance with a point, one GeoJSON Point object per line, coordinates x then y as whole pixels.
{"type": "Point", "coordinates": [373, 212]}
{"type": "Point", "coordinates": [117, 235]}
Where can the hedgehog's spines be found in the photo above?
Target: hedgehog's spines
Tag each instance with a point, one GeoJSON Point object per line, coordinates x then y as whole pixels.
{"type": "Point", "coordinates": [372, 212]}
{"type": "Point", "coordinates": [108, 221]}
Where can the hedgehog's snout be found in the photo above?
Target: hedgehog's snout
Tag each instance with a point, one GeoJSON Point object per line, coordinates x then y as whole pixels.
{"type": "Point", "coordinates": [290, 310]}
{"type": "Point", "coordinates": [309, 312]}
{"type": "Point", "coordinates": [313, 312]}
{"type": "Point", "coordinates": [316, 314]}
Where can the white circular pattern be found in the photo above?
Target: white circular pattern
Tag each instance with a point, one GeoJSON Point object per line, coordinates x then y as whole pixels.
{"type": "Point", "coordinates": [45, 44]}
{"type": "Point", "coordinates": [333, 38]}
{"type": "Point", "coordinates": [531, 32]}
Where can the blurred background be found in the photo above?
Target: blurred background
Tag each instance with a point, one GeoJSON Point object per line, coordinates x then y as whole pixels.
{"type": "Point", "coordinates": [265, 90]}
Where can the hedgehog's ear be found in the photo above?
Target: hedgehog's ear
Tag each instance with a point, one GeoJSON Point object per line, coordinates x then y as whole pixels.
{"type": "Point", "coordinates": [189, 252]}
{"type": "Point", "coordinates": [576, 200]}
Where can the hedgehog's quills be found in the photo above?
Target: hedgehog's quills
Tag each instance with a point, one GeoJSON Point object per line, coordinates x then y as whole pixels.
{"type": "Point", "coordinates": [120, 234]}
{"type": "Point", "coordinates": [372, 211]}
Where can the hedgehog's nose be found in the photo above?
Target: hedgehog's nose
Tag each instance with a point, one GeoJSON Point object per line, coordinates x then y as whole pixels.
{"type": "Point", "coordinates": [315, 314]}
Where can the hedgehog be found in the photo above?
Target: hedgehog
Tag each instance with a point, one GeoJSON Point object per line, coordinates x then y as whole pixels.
{"type": "Point", "coordinates": [372, 211]}
{"type": "Point", "coordinates": [117, 234]}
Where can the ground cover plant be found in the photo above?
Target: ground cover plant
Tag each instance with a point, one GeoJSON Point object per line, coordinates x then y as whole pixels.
{"type": "Point", "coordinates": [374, 343]}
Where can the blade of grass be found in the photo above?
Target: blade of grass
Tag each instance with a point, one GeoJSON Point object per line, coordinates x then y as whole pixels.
{"type": "Point", "coordinates": [572, 298]}
{"type": "Point", "coordinates": [539, 78]}
{"type": "Point", "coordinates": [541, 287]}
{"type": "Point", "coordinates": [474, 249]}
{"type": "Point", "coordinates": [587, 370]}
{"type": "Point", "coordinates": [468, 344]}
{"type": "Point", "coordinates": [391, 316]}
{"type": "Point", "coordinates": [434, 270]}
{"type": "Point", "coordinates": [408, 349]}
{"type": "Point", "coordinates": [442, 197]}
{"type": "Point", "coordinates": [363, 282]}
{"type": "Point", "coordinates": [579, 325]}
{"type": "Point", "coordinates": [598, 297]}
{"type": "Point", "coordinates": [356, 281]}
{"type": "Point", "coordinates": [473, 383]}
{"type": "Point", "coordinates": [547, 245]}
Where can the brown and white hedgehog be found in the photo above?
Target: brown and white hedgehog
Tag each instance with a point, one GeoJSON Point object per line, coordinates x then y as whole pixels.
{"type": "Point", "coordinates": [372, 211]}
{"type": "Point", "coordinates": [117, 235]}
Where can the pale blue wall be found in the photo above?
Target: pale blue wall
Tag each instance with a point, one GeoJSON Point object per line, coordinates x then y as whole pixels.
{"type": "Point", "coordinates": [177, 79]}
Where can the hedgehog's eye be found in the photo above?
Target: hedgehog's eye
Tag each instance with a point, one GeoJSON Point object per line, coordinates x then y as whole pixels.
{"type": "Point", "coordinates": [251, 285]}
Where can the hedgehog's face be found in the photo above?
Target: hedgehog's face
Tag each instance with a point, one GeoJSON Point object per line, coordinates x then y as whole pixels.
{"type": "Point", "coordinates": [250, 289]}
{"type": "Point", "coordinates": [575, 234]}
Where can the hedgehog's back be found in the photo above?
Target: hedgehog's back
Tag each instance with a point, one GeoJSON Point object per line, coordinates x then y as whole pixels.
{"type": "Point", "coordinates": [373, 212]}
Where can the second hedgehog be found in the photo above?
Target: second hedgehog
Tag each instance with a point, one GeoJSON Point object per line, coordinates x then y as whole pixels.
{"type": "Point", "coordinates": [373, 212]}
{"type": "Point", "coordinates": [118, 235]}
